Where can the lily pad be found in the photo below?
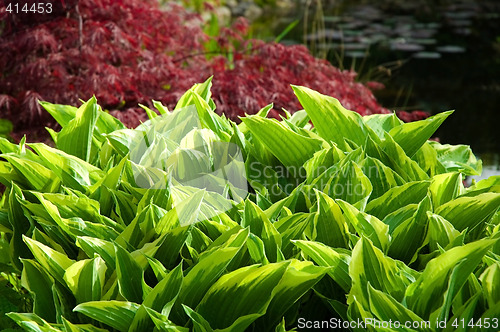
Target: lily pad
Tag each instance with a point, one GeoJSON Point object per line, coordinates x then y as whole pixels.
{"type": "Point", "coordinates": [406, 47]}
{"type": "Point", "coordinates": [451, 49]}
{"type": "Point", "coordinates": [355, 54]}
{"type": "Point", "coordinates": [427, 55]}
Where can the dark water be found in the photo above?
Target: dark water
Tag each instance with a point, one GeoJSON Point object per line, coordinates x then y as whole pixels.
{"type": "Point", "coordinates": [431, 55]}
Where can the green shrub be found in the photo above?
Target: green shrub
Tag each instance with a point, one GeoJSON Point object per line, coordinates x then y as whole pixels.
{"type": "Point", "coordinates": [354, 219]}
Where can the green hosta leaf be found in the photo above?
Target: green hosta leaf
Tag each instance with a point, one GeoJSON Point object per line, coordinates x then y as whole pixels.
{"type": "Point", "coordinates": [397, 197]}
{"type": "Point", "coordinates": [409, 236]}
{"type": "Point", "coordinates": [125, 206]}
{"type": "Point", "coordinates": [369, 265]}
{"type": "Point", "coordinates": [75, 226]}
{"type": "Point", "coordinates": [444, 188]}
{"type": "Point", "coordinates": [441, 232]}
{"type": "Point", "coordinates": [105, 249]}
{"type": "Point", "coordinates": [471, 287]}
{"type": "Point", "coordinates": [464, 315]}
{"type": "Point", "coordinates": [456, 284]}
{"type": "Point", "coordinates": [35, 175]}
{"type": "Point", "coordinates": [45, 239]}
{"type": "Point", "coordinates": [202, 275]}
{"type": "Point", "coordinates": [200, 323]}
{"type": "Point", "coordinates": [366, 225]}
{"type": "Point", "coordinates": [297, 280]}
{"type": "Point", "coordinates": [116, 314]}
{"type": "Point", "coordinates": [111, 179]}
{"type": "Point", "coordinates": [263, 179]}
{"type": "Point", "coordinates": [164, 294]}
{"type": "Point", "coordinates": [412, 135]}
{"type": "Point", "coordinates": [160, 299]}
{"type": "Point", "coordinates": [260, 225]}
{"type": "Point", "coordinates": [70, 327]}
{"type": "Point", "coordinates": [490, 280]}
{"type": "Point", "coordinates": [386, 308]}
{"type": "Point", "coordinates": [290, 148]}
{"type": "Point", "coordinates": [170, 128]}
{"type": "Point", "coordinates": [350, 185]}
{"type": "Point", "coordinates": [395, 157]}
{"type": "Point", "coordinates": [326, 256]}
{"type": "Point", "coordinates": [32, 322]}
{"type": "Point", "coordinates": [129, 275]}
{"type": "Point", "coordinates": [158, 268]}
{"type": "Point", "coordinates": [188, 211]}
{"type": "Point", "coordinates": [469, 212]}
{"type": "Point", "coordinates": [76, 137]}
{"type": "Point", "coordinates": [210, 119]}
{"type": "Point", "coordinates": [63, 114]}
{"type": "Point", "coordinates": [64, 303]}
{"type": "Point", "coordinates": [72, 205]}
{"type": "Point", "coordinates": [124, 140]}
{"type": "Point", "coordinates": [203, 89]}
{"type": "Point", "coordinates": [202, 140]}
{"type": "Point", "coordinates": [321, 161]}
{"type": "Point", "coordinates": [427, 158]}
{"type": "Point", "coordinates": [73, 172]}
{"type": "Point", "coordinates": [427, 293]}
{"type": "Point", "coordinates": [458, 158]}
{"type": "Point", "coordinates": [199, 241]}
{"type": "Point", "coordinates": [148, 250]}
{"type": "Point", "coordinates": [257, 250]}
{"type": "Point", "coordinates": [200, 89]}
{"type": "Point", "coordinates": [85, 279]}
{"type": "Point", "coordinates": [382, 123]}
{"type": "Point", "coordinates": [39, 283]}
{"type": "Point", "coordinates": [332, 172]}
{"type": "Point", "coordinates": [79, 227]}
{"type": "Point", "coordinates": [292, 228]}
{"type": "Point", "coordinates": [299, 118]}
{"type": "Point", "coordinates": [20, 225]}
{"type": "Point", "coordinates": [329, 225]}
{"type": "Point", "coordinates": [106, 123]}
{"type": "Point", "coordinates": [187, 164]}
{"type": "Point", "coordinates": [17, 149]}
{"type": "Point", "coordinates": [381, 177]}
{"type": "Point", "coordinates": [175, 237]}
{"type": "Point", "coordinates": [160, 107]}
{"type": "Point", "coordinates": [54, 262]}
{"type": "Point", "coordinates": [162, 322]}
{"type": "Point", "coordinates": [332, 121]}
{"type": "Point", "coordinates": [491, 184]}
{"type": "Point", "coordinates": [9, 175]}
{"type": "Point", "coordinates": [141, 228]}
{"type": "Point", "coordinates": [234, 237]}
{"type": "Point", "coordinates": [5, 225]}
{"type": "Point", "coordinates": [246, 292]}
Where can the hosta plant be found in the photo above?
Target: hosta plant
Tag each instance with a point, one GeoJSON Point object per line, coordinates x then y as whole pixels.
{"type": "Point", "coordinates": [191, 222]}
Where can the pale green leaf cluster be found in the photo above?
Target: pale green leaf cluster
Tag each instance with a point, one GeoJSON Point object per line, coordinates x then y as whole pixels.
{"type": "Point", "coordinates": [348, 217]}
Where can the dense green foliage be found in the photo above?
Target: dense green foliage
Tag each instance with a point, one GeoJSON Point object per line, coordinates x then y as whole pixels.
{"type": "Point", "coordinates": [355, 218]}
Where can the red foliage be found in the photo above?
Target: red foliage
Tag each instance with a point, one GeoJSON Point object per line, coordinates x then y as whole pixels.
{"type": "Point", "coordinates": [124, 55]}
{"type": "Point", "coordinates": [130, 52]}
